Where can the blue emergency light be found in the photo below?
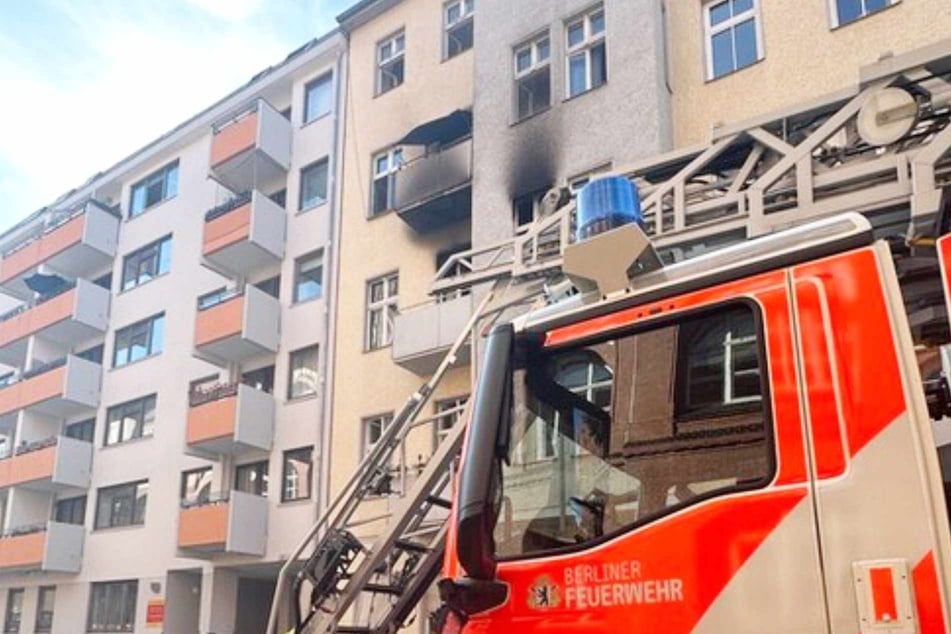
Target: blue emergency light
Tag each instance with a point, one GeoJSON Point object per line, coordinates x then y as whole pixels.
{"type": "Point", "coordinates": [607, 203]}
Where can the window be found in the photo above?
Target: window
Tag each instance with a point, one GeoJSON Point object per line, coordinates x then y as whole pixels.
{"type": "Point", "coordinates": [122, 505]}
{"type": "Point", "coordinates": [112, 606]}
{"type": "Point", "coordinates": [297, 474]}
{"type": "Point", "coordinates": [280, 198]}
{"type": "Point", "coordinates": [93, 354]}
{"type": "Point", "coordinates": [147, 263]}
{"type": "Point", "coordinates": [313, 185]}
{"type": "Point", "coordinates": [533, 77]}
{"type": "Point", "coordinates": [252, 478]}
{"type": "Point", "coordinates": [11, 623]}
{"type": "Point", "coordinates": [732, 36]}
{"type": "Point", "coordinates": [271, 286]}
{"type": "Point", "coordinates": [385, 167]}
{"type": "Point", "coordinates": [70, 511]}
{"type": "Point", "coordinates": [373, 428]}
{"type": "Point", "coordinates": [83, 430]}
{"type": "Point", "coordinates": [138, 341]}
{"type": "Point", "coordinates": [153, 189]}
{"type": "Point", "coordinates": [44, 609]}
{"type": "Point", "coordinates": [845, 11]}
{"type": "Point", "coordinates": [390, 63]}
{"type": "Point", "coordinates": [453, 412]}
{"type": "Point", "coordinates": [459, 27]}
{"type": "Point", "coordinates": [303, 372]}
{"type": "Point", "coordinates": [526, 208]}
{"type": "Point", "coordinates": [286, 112]}
{"type": "Point", "coordinates": [587, 60]}
{"type": "Point", "coordinates": [130, 420]}
{"type": "Point", "coordinates": [105, 281]}
{"type": "Point", "coordinates": [616, 433]}
{"type": "Point", "coordinates": [260, 379]}
{"type": "Point", "coordinates": [215, 297]}
{"type": "Point", "coordinates": [308, 277]}
{"type": "Point", "coordinates": [196, 486]}
{"type": "Point", "coordinates": [318, 97]}
{"type": "Point", "coordinates": [382, 300]}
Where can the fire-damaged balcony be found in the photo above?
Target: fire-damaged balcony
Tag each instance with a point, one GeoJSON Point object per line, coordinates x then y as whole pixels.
{"type": "Point", "coordinates": [422, 335]}
{"type": "Point", "coordinates": [230, 418]}
{"type": "Point", "coordinates": [66, 387]}
{"type": "Point", "coordinates": [73, 312]}
{"type": "Point", "coordinates": [251, 147]}
{"type": "Point", "coordinates": [236, 325]}
{"type": "Point", "coordinates": [435, 190]}
{"type": "Point", "coordinates": [79, 243]}
{"type": "Point", "coordinates": [244, 234]}
{"type": "Point", "coordinates": [233, 522]}
{"type": "Point", "coordinates": [49, 547]}
{"type": "Point", "coordinates": [53, 464]}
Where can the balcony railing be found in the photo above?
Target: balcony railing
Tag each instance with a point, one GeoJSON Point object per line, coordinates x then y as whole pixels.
{"type": "Point", "coordinates": [228, 522]}
{"type": "Point", "coordinates": [435, 190]}
{"type": "Point", "coordinates": [229, 418]}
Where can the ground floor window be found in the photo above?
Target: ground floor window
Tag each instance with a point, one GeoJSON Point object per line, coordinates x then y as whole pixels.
{"type": "Point", "coordinates": [112, 606]}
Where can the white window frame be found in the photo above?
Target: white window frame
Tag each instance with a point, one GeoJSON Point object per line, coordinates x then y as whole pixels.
{"type": "Point", "coordinates": [834, 12]}
{"type": "Point", "coordinates": [729, 344]}
{"type": "Point", "coordinates": [466, 14]}
{"type": "Point", "coordinates": [445, 422]}
{"type": "Point", "coordinates": [383, 306]}
{"type": "Point", "coordinates": [709, 31]}
{"type": "Point", "coordinates": [382, 421]}
{"type": "Point", "coordinates": [536, 64]}
{"type": "Point", "coordinates": [585, 391]}
{"type": "Point", "coordinates": [397, 43]}
{"type": "Point", "coordinates": [394, 162]}
{"type": "Point", "coordinates": [589, 41]}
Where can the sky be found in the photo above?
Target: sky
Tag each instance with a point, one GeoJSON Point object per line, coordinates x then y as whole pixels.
{"type": "Point", "coordinates": [84, 83]}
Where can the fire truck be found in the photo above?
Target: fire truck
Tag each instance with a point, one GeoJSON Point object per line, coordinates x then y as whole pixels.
{"type": "Point", "coordinates": [710, 397]}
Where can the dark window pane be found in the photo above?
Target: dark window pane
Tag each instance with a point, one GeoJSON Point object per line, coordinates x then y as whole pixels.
{"type": "Point", "coordinates": [849, 10]}
{"type": "Point", "coordinates": [460, 39]}
{"type": "Point", "coordinates": [599, 65]}
{"type": "Point", "coordinates": [83, 430]}
{"type": "Point", "coordinates": [381, 188]}
{"type": "Point", "coordinates": [723, 53]}
{"type": "Point", "coordinates": [271, 286]}
{"type": "Point", "coordinates": [261, 379]}
{"type": "Point", "coordinates": [745, 33]}
{"type": "Point", "coordinates": [534, 93]}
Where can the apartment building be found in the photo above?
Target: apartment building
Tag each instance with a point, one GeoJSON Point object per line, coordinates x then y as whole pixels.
{"type": "Point", "coordinates": [733, 60]}
{"type": "Point", "coordinates": [162, 418]}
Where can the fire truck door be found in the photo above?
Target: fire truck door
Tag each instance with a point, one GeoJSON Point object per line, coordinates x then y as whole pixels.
{"type": "Point", "coordinates": [875, 526]}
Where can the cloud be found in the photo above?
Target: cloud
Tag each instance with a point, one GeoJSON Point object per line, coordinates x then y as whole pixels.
{"type": "Point", "coordinates": [237, 10]}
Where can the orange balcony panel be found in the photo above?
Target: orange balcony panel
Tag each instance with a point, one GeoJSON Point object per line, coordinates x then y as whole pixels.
{"type": "Point", "coordinates": [229, 229]}
{"type": "Point", "coordinates": [33, 390]}
{"type": "Point", "coordinates": [220, 322]}
{"type": "Point", "coordinates": [37, 318]}
{"type": "Point", "coordinates": [35, 465]}
{"type": "Point", "coordinates": [54, 242]}
{"type": "Point", "coordinates": [234, 138]}
{"type": "Point", "coordinates": [23, 551]}
{"type": "Point", "coordinates": [203, 526]}
{"type": "Point", "coordinates": [213, 420]}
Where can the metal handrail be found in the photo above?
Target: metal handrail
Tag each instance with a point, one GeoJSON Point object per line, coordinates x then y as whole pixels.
{"type": "Point", "coordinates": [220, 299]}
{"type": "Point", "coordinates": [240, 200]}
{"type": "Point", "coordinates": [214, 498]}
{"type": "Point", "coordinates": [26, 529]}
{"type": "Point", "coordinates": [216, 392]}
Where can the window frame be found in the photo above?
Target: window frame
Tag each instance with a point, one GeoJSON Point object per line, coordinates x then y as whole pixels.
{"type": "Point", "coordinates": [11, 626]}
{"type": "Point", "coordinates": [105, 586]}
{"type": "Point", "coordinates": [136, 409]}
{"type": "Point", "coordinates": [397, 40]}
{"type": "Point", "coordinates": [325, 79]}
{"type": "Point", "coordinates": [384, 420]}
{"type": "Point", "coordinates": [442, 405]}
{"type": "Point", "coordinates": [466, 14]}
{"type": "Point", "coordinates": [394, 162]}
{"type": "Point", "coordinates": [536, 65]}
{"type": "Point", "coordinates": [289, 453]}
{"type": "Point", "coordinates": [590, 41]}
{"type": "Point", "coordinates": [836, 23]}
{"type": "Point", "coordinates": [44, 626]}
{"type": "Point", "coordinates": [291, 380]}
{"type": "Point", "coordinates": [262, 480]}
{"type": "Point", "coordinates": [382, 305]}
{"type": "Point", "coordinates": [200, 496]}
{"type": "Point", "coordinates": [709, 31]}
{"type": "Point", "coordinates": [298, 269]}
{"type": "Point", "coordinates": [72, 504]}
{"type": "Point", "coordinates": [307, 205]}
{"type": "Point", "coordinates": [142, 257]}
{"type": "Point", "coordinates": [148, 181]}
{"type": "Point", "coordinates": [155, 345]}
{"type": "Point", "coordinates": [135, 487]}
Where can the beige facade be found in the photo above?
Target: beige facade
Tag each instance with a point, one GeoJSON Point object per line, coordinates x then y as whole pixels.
{"type": "Point", "coordinates": [804, 56]}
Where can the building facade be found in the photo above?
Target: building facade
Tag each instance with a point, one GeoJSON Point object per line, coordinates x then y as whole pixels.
{"type": "Point", "coordinates": [163, 412]}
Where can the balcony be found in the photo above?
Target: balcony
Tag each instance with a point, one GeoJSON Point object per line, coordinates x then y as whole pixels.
{"type": "Point", "coordinates": [78, 244]}
{"type": "Point", "coordinates": [229, 419]}
{"type": "Point", "coordinates": [251, 148]}
{"type": "Point", "coordinates": [435, 191]}
{"type": "Point", "coordinates": [74, 314]}
{"type": "Point", "coordinates": [63, 388]}
{"type": "Point", "coordinates": [54, 464]}
{"type": "Point", "coordinates": [237, 326]}
{"type": "Point", "coordinates": [422, 335]}
{"type": "Point", "coordinates": [232, 523]}
{"type": "Point", "coordinates": [51, 547]}
{"type": "Point", "coordinates": [245, 234]}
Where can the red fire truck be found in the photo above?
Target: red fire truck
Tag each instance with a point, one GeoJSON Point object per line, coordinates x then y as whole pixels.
{"type": "Point", "coordinates": [739, 443]}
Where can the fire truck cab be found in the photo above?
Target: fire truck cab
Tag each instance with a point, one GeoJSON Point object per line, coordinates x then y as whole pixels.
{"type": "Point", "coordinates": [738, 443]}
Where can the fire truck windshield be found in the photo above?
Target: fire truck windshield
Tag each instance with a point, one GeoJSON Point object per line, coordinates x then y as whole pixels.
{"type": "Point", "coordinates": [608, 435]}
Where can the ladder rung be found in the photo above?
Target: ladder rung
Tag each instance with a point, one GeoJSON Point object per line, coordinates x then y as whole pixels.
{"type": "Point", "coordinates": [435, 500]}
{"type": "Point", "coordinates": [383, 589]}
{"type": "Point", "coordinates": [410, 546]}
{"type": "Point", "coordinates": [353, 629]}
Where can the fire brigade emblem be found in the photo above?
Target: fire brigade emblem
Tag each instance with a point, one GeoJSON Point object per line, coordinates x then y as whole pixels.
{"type": "Point", "coordinates": [544, 594]}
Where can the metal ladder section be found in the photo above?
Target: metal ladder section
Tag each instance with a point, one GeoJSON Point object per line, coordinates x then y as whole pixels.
{"type": "Point", "coordinates": [393, 572]}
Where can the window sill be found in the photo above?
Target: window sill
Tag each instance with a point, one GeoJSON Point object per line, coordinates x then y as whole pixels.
{"type": "Point", "coordinates": [117, 529]}
{"type": "Point", "coordinates": [145, 358]}
{"type": "Point", "coordinates": [295, 502]}
{"type": "Point", "coordinates": [710, 80]}
{"type": "Point", "coordinates": [584, 94]}
{"type": "Point", "coordinates": [123, 291]}
{"type": "Point", "coordinates": [309, 208]}
{"type": "Point", "coordinates": [129, 218]}
{"type": "Point", "coordinates": [531, 116]}
{"type": "Point", "coordinates": [126, 443]}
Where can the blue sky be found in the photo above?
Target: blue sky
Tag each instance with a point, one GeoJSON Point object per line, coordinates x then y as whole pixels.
{"type": "Point", "coordinates": [87, 82]}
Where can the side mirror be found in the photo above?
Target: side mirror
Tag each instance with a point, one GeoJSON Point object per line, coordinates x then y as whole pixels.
{"type": "Point", "coordinates": [476, 512]}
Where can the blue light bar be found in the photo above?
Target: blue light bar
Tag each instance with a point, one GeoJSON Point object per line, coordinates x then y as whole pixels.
{"type": "Point", "coordinates": [607, 203]}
